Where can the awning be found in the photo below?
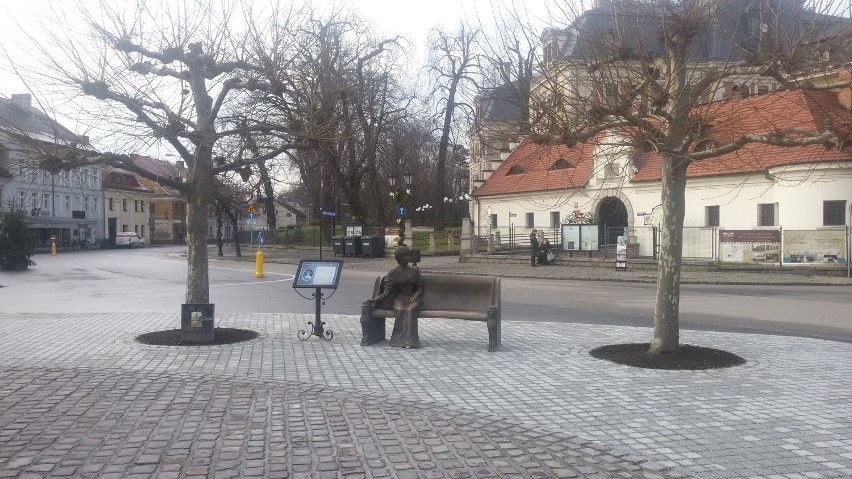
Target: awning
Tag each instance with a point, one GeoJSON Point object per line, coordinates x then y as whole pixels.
{"type": "Point", "coordinates": [40, 223]}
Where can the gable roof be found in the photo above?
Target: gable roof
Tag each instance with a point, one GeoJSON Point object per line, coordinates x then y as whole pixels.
{"type": "Point", "coordinates": [529, 168]}
{"type": "Point", "coordinates": [159, 168]}
{"type": "Point", "coordinates": [736, 24]}
{"type": "Point", "coordinates": [785, 110]}
{"type": "Point", "coordinates": [19, 117]}
{"type": "Point", "coordinates": [775, 112]}
{"type": "Point", "coordinates": [118, 179]}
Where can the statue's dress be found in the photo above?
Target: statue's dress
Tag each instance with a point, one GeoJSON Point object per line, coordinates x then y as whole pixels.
{"type": "Point", "coordinates": [402, 282]}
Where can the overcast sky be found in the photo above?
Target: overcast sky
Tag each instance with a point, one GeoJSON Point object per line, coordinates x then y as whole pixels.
{"type": "Point", "coordinates": [411, 19]}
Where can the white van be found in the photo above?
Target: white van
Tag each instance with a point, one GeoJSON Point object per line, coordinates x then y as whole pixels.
{"type": "Point", "coordinates": [129, 239]}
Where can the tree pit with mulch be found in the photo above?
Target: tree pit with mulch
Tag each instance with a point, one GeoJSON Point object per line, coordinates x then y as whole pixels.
{"type": "Point", "coordinates": [688, 358]}
{"type": "Point", "coordinates": [172, 337]}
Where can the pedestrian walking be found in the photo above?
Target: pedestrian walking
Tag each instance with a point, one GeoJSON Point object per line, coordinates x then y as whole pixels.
{"type": "Point", "coordinates": [533, 247]}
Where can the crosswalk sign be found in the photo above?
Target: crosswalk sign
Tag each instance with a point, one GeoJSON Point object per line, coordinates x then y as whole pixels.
{"type": "Point", "coordinates": [251, 209]}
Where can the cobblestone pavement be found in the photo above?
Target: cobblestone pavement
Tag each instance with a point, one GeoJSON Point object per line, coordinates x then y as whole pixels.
{"type": "Point", "coordinates": [80, 398]}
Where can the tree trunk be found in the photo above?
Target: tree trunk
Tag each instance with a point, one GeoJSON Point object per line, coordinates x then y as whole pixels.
{"type": "Point", "coordinates": [219, 231]}
{"type": "Point", "coordinates": [443, 147]}
{"type": "Point", "coordinates": [269, 197]}
{"type": "Point", "coordinates": [666, 337]}
{"type": "Point", "coordinates": [232, 217]}
{"type": "Point", "coordinates": [197, 278]}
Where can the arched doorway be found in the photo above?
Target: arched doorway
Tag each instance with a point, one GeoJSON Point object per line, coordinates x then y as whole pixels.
{"type": "Point", "coordinates": [612, 218]}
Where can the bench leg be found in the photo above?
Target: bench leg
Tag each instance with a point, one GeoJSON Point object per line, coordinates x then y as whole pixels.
{"type": "Point", "coordinates": [494, 340]}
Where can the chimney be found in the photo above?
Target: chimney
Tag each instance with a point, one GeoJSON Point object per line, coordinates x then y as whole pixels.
{"type": "Point", "coordinates": [23, 100]}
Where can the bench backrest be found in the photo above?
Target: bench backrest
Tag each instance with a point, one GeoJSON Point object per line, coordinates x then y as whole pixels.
{"type": "Point", "coordinates": [459, 293]}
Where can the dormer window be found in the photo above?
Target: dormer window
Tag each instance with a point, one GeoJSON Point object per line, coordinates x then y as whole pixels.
{"type": "Point", "coordinates": [516, 170]}
{"type": "Point", "coordinates": [561, 164]}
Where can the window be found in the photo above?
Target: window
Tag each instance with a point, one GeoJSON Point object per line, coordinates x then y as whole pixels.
{"type": "Point", "coordinates": [22, 197]}
{"type": "Point", "coordinates": [711, 215]}
{"type": "Point", "coordinates": [123, 227]}
{"type": "Point", "coordinates": [95, 205]}
{"type": "Point", "coordinates": [530, 217]}
{"type": "Point", "coordinates": [136, 205]}
{"type": "Point", "coordinates": [834, 213]}
{"type": "Point", "coordinates": [110, 205]}
{"type": "Point", "coordinates": [494, 220]}
{"type": "Point", "coordinates": [67, 203]}
{"type": "Point", "coordinates": [34, 200]}
{"type": "Point", "coordinates": [516, 170]}
{"type": "Point", "coordinates": [142, 230]}
{"type": "Point", "coordinates": [142, 206]}
{"type": "Point", "coordinates": [612, 169]}
{"type": "Point", "coordinates": [45, 200]}
{"type": "Point", "coordinates": [124, 204]}
{"type": "Point", "coordinates": [561, 164]}
{"type": "Point", "coordinates": [85, 203]}
{"type": "Point", "coordinates": [554, 219]}
{"type": "Point", "coordinates": [766, 214]}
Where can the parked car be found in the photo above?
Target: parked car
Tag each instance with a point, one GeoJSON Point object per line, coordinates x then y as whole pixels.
{"type": "Point", "coordinates": [129, 239]}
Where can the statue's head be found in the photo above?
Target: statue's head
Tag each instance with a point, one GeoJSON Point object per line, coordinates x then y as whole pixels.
{"type": "Point", "coordinates": [402, 254]}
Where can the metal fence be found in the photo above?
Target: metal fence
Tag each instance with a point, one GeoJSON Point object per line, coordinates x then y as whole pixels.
{"type": "Point", "coordinates": [828, 245]}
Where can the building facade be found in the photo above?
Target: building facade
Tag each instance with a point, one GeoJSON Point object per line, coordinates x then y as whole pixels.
{"type": "Point", "coordinates": [126, 204]}
{"type": "Point", "coordinates": [63, 204]}
{"type": "Point", "coordinates": [167, 207]}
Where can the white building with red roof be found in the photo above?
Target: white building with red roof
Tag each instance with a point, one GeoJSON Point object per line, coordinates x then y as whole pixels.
{"type": "Point", "coordinates": [608, 181]}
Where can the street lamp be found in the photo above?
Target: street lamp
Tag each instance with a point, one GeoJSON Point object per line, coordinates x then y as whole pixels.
{"type": "Point", "coordinates": [401, 196]}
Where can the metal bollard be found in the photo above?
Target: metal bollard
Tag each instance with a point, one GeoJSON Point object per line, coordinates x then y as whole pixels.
{"type": "Point", "coordinates": [258, 268]}
{"type": "Point", "coordinates": [53, 248]}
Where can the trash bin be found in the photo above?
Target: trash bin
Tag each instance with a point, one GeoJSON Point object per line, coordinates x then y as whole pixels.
{"type": "Point", "coordinates": [352, 246]}
{"type": "Point", "coordinates": [337, 245]}
{"type": "Point", "coordinates": [372, 246]}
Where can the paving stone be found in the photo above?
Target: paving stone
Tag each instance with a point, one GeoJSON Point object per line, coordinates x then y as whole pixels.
{"type": "Point", "coordinates": [540, 406]}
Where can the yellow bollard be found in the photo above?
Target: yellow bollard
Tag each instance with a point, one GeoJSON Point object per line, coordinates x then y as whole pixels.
{"type": "Point", "coordinates": [53, 248]}
{"type": "Point", "coordinates": [258, 268]}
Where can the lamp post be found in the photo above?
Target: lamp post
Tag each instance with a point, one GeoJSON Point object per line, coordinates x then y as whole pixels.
{"type": "Point", "coordinates": [401, 197]}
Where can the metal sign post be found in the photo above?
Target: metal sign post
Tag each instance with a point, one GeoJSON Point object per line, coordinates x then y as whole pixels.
{"type": "Point", "coordinates": [329, 214]}
{"type": "Point", "coordinates": [317, 275]}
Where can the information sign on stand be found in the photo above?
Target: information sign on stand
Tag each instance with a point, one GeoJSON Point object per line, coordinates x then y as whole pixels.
{"type": "Point", "coordinates": [319, 275]}
{"type": "Point", "coordinates": [621, 254]}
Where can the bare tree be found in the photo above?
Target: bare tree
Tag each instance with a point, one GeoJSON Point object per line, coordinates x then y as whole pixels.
{"type": "Point", "coordinates": [340, 93]}
{"type": "Point", "coordinates": [653, 74]}
{"type": "Point", "coordinates": [171, 75]}
{"type": "Point", "coordinates": [455, 60]}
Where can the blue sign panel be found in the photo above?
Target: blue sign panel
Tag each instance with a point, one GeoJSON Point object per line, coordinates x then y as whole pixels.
{"type": "Point", "coordinates": [328, 213]}
{"type": "Point", "coordinates": [260, 238]}
{"type": "Point", "coordinates": [400, 211]}
{"type": "Point", "coordinates": [251, 216]}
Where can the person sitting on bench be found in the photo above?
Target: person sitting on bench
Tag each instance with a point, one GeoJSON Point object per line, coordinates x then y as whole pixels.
{"type": "Point", "coordinates": [404, 285]}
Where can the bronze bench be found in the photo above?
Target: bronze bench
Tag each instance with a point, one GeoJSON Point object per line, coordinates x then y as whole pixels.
{"type": "Point", "coordinates": [471, 298]}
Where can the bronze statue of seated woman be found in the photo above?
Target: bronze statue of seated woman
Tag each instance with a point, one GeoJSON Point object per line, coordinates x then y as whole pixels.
{"type": "Point", "coordinates": [404, 290]}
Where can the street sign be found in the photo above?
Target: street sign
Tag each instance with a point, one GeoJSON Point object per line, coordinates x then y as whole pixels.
{"type": "Point", "coordinates": [400, 211]}
{"type": "Point", "coordinates": [251, 216]}
{"type": "Point", "coordinates": [251, 209]}
{"type": "Point", "coordinates": [328, 213]}
{"type": "Point", "coordinates": [260, 238]}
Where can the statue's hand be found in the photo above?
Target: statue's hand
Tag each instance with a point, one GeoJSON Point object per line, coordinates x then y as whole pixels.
{"type": "Point", "coordinates": [368, 303]}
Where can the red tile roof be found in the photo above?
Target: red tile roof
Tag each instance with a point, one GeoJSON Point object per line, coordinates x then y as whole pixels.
{"type": "Point", "coordinates": [537, 161]}
{"type": "Point", "coordinates": [795, 109]}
